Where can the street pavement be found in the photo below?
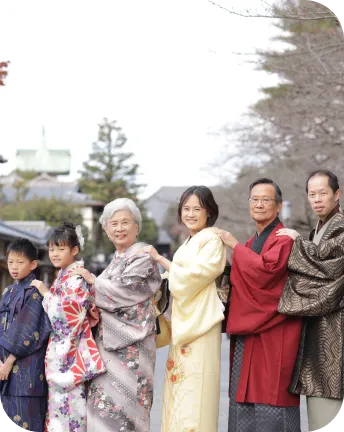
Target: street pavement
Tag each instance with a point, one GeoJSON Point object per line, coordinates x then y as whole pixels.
{"type": "Point", "coordinates": [223, 415]}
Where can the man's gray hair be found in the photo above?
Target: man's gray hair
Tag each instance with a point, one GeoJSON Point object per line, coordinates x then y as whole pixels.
{"type": "Point", "coordinates": [121, 204]}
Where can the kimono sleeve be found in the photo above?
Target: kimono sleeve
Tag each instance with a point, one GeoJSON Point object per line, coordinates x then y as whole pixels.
{"type": "Point", "coordinates": [30, 331]}
{"type": "Point", "coordinates": [68, 311]}
{"type": "Point", "coordinates": [257, 285]}
{"type": "Point", "coordinates": [315, 286]}
{"type": "Point", "coordinates": [199, 271]}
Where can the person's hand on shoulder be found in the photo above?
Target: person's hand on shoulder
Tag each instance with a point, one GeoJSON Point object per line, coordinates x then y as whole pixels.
{"type": "Point", "coordinates": [228, 238]}
{"type": "Point", "coordinates": [287, 232]}
{"type": "Point", "coordinates": [88, 276]}
{"type": "Point", "coordinates": [40, 286]}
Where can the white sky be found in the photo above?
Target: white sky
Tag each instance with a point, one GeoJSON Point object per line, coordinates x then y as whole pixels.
{"type": "Point", "coordinates": [163, 69]}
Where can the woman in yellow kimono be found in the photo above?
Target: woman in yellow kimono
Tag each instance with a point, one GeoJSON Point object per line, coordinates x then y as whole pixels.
{"type": "Point", "coordinates": [192, 376]}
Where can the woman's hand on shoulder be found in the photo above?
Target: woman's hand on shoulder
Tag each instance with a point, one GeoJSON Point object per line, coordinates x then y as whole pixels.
{"type": "Point", "coordinates": [40, 286]}
{"type": "Point", "coordinates": [287, 232]}
{"type": "Point", "coordinates": [154, 254]}
{"type": "Point", "coordinates": [88, 276]}
{"type": "Point", "coordinates": [228, 238]}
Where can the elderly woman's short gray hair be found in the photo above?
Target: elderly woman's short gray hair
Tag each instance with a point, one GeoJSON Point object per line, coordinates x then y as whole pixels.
{"type": "Point", "coordinates": [121, 204]}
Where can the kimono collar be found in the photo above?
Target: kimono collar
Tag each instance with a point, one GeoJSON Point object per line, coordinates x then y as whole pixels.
{"type": "Point", "coordinates": [17, 296]}
{"type": "Point", "coordinates": [259, 240]}
{"type": "Point", "coordinates": [25, 283]}
{"type": "Point", "coordinates": [70, 268]}
{"type": "Point", "coordinates": [321, 223]}
{"type": "Point", "coordinates": [130, 251]}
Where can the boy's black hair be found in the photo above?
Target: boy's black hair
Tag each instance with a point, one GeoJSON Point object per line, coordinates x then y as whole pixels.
{"type": "Point", "coordinates": [23, 246]}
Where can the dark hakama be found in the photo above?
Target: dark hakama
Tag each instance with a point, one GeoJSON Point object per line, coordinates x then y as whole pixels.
{"type": "Point", "coordinates": [24, 332]}
{"type": "Point", "coordinates": [250, 417]}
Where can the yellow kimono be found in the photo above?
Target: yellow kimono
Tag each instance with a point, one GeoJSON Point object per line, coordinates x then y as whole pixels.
{"type": "Point", "coordinates": [192, 376]}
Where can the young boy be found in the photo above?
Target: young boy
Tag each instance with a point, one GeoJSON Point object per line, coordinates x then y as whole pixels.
{"type": "Point", "coordinates": [24, 333]}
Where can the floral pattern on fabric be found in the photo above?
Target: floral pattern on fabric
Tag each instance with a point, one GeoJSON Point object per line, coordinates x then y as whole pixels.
{"type": "Point", "coordinates": [175, 371]}
{"type": "Point", "coordinates": [145, 391]}
{"type": "Point", "coordinates": [129, 357]}
{"type": "Point", "coordinates": [72, 355]}
{"type": "Point", "coordinates": [105, 407]}
{"type": "Point", "coordinates": [121, 399]}
{"type": "Point", "coordinates": [67, 411]}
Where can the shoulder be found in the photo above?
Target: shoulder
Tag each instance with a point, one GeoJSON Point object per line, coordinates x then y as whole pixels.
{"type": "Point", "coordinates": [75, 284]}
{"type": "Point", "coordinates": [208, 235]}
{"type": "Point", "coordinates": [279, 241]}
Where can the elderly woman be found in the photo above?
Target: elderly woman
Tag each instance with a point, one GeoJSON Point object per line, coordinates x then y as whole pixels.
{"type": "Point", "coordinates": [121, 399]}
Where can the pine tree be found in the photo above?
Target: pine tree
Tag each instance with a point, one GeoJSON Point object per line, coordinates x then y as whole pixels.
{"type": "Point", "coordinates": [109, 172]}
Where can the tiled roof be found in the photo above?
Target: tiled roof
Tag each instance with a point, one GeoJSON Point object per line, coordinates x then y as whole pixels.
{"type": "Point", "coordinates": [158, 204]}
{"type": "Point", "coordinates": [11, 233]}
{"type": "Point", "coordinates": [39, 229]}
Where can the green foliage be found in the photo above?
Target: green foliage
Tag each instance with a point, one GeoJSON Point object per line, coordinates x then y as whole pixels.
{"type": "Point", "coordinates": [26, 175]}
{"type": "Point", "coordinates": [149, 231]}
{"type": "Point", "coordinates": [109, 173]}
{"type": "Point", "coordinates": [52, 211]}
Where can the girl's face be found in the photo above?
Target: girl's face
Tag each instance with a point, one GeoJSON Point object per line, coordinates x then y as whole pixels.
{"type": "Point", "coordinates": [194, 216]}
{"type": "Point", "coordinates": [62, 255]}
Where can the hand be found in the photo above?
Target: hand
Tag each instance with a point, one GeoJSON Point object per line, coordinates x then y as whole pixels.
{"type": "Point", "coordinates": [288, 232]}
{"type": "Point", "coordinates": [5, 370]}
{"type": "Point", "coordinates": [40, 286]}
{"type": "Point", "coordinates": [228, 239]}
{"type": "Point", "coordinates": [89, 277]}
{"type": "Point", "coordinates": [151, 251]}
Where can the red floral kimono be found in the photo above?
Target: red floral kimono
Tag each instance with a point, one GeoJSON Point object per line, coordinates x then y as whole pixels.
{"type": "Point", "coordinates": [72, 356]}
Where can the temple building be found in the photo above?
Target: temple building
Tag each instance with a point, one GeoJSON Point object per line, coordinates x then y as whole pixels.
{"type": "Point", "coordinates": [44, 160]}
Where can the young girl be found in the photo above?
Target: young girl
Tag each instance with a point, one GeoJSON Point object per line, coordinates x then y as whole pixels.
{"type": "Point", "coordinates": [72, 356]}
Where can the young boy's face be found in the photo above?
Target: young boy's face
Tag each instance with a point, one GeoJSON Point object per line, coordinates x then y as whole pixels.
{"type": "Point", "coordinates": [19, 265]}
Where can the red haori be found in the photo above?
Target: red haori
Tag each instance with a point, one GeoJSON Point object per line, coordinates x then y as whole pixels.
{"type": "Point", "coordinates": [271, 338]}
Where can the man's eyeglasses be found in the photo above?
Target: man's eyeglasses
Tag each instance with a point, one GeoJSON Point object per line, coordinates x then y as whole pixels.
{"type": "Point", "coordinates": [265, 201]}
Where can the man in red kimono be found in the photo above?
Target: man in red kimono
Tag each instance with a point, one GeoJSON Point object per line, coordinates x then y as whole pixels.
{"type": "Point", "coordinates": [264, 342]}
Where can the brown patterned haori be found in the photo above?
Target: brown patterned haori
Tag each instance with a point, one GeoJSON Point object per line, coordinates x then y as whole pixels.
{"type": "Point", "coordinates": [315, 289]}
{"type": "Point", "coordinates": [121, 399]}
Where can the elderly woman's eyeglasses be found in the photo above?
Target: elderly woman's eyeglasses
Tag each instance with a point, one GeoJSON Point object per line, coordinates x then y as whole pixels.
{"type": "Point", "coordinates": [265, 201]}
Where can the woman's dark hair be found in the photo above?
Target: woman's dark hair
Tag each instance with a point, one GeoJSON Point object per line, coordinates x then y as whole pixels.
{"type": "Point", "coordinates": [64, 235]}
{"type": "Point", "coordinates": [23, 246]}
{"type": "Point", "coordinates": [332, 179]}
{"type": "Point", "coordinates": [206, 200]}
{"type": "Point", "coordinates": [265, 180]}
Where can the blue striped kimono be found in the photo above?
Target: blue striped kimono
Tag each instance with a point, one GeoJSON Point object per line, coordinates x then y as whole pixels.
{"type": "Point", "coordinates": [24, 332]}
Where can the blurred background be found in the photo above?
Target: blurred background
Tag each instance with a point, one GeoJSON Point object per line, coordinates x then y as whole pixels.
{"type": "Point", "coordinates": [144, 99]}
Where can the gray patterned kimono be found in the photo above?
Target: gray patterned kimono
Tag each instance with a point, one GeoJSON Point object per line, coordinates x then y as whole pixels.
{"type": "Point", "coordinates": [121, 399]}
{"type": "Point", "coordinates": [315, 290]}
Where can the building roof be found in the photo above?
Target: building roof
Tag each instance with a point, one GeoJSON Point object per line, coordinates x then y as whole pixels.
{"type": "Point", "coordinates": [45, 186]}
{"type": "Point", "coordinates": [158, 203]}
{"type": "Point", "coordinates": [11, 233]}
{"type": "Point", "coordinates": [38, 229]}
{"type": "Point", "coordinates": [163, 237]}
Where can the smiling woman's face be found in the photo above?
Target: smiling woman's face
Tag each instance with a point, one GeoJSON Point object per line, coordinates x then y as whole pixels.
{"type": "Point", "coordinates": [122, 229]}
{"type": "Point", "coordinates": [194, 216]}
